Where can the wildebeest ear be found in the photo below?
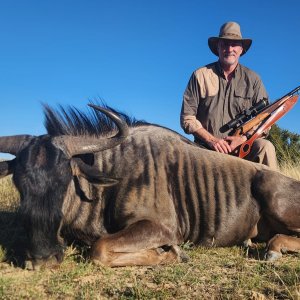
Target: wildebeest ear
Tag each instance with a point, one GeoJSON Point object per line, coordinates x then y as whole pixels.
{"type": "Point", "coordinates": [91, 173]}
{"type": "Point", "coordinates": [7, 167]}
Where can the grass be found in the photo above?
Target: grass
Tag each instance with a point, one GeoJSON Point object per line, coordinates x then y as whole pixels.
{"type": "Point", "coordinates": [291, 169]}
{"type": "Point", "coordinates": [214, 273]}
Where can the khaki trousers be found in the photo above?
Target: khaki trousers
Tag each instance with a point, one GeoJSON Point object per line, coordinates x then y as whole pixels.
{"type": "Point", "coordinates": [263, 151]}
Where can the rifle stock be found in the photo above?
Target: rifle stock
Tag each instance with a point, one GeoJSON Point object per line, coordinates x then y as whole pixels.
{"type": "Point", "coordinates": [250, 124]}
{"type": "Point", "coordinates": [274, 117]}
{"type": "Point", "coordinates": [264, 120]}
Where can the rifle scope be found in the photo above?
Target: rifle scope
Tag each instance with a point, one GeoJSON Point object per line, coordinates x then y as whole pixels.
{"type": "Point", "coordinates": [246, 115]}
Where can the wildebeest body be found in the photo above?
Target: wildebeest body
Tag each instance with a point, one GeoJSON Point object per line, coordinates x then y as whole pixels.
{"type": "Point", "coordinates": [145, 195]}
{"type": "Point", "coordinates": [165, 177]}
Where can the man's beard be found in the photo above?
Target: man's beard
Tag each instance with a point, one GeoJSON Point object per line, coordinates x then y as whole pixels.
{"type": "Point", "coordinates": [229, 59]}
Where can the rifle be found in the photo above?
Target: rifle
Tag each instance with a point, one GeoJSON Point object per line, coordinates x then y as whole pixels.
{"type": "Point", "coordinates": [259, 118]}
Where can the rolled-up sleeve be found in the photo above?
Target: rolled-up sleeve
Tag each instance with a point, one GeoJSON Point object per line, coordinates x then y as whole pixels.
{"type": "Point", "coordinates": [190, 102]}
{"type": "Point", "coordinates": [190, 124]}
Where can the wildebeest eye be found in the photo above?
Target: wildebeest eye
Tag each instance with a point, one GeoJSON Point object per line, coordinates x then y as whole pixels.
{"type": "Point", "coordinates": [91, 173]}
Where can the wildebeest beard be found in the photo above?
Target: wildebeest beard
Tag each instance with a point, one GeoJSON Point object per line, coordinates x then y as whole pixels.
{"type": "Point", "coordinates": [42, 178]}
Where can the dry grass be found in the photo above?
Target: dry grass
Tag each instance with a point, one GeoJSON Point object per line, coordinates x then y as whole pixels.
{"type": "Point", "coordinates": [217, 273]}
{"type": "Point", "coordinates": [291, 169]}
{"type": "Point", "coordinates": [9, 197]}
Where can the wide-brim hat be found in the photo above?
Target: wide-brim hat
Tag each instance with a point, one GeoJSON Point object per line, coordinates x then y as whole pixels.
{"type": "Point", "coordinates": [229, 31]}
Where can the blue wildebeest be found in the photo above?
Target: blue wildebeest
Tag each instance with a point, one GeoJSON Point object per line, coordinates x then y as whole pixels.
{"type": "Point", "coordinates": [135, 191]}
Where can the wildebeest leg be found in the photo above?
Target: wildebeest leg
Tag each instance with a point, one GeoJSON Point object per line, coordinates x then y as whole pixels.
{"type": "Point", "coordinates": [142, 243]}
{"type": "Point", "coordinates": [279, 198]}
{"type": "Point", "coordinates": [281, 243]}
{"type": "Point", "coordinates": [253, 233]}
{"type": "Point", "coordinates": [248, 244]}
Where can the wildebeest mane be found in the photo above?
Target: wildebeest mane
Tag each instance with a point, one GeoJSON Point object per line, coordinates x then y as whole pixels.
{"type": "Point", "coordinates": [73, 121]}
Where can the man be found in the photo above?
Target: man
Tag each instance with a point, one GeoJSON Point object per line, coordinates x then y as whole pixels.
{"type": "Point", "coordinates": [217, 92]}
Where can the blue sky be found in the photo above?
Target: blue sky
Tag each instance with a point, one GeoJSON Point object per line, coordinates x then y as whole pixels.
{"type": "Point", "coordinates": [135, 55]}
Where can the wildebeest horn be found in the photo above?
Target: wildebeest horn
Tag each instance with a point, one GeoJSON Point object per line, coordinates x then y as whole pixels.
{"type": "Point", "coordinates": [75, 145]}
{"type": "Point", "coordinates": [14, 144]}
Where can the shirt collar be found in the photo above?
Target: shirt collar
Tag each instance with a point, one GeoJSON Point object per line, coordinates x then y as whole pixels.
{"type": "Point", "coordinates": [221, 72]}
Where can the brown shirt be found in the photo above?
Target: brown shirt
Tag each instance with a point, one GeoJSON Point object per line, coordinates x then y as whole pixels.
{"type": "Point", "coordinates": [210, 101]}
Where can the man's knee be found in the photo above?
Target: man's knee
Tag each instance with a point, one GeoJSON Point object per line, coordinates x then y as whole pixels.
{"type": "Point", "coordinates": [263, 145]}
{"type": "Point", "coordinates": [263, 151]}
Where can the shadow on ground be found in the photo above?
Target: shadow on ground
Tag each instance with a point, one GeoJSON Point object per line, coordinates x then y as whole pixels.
{"type": "Point", "coordinates": [12, 238]}
{"type": "Point", "coordinates": [257, 253]}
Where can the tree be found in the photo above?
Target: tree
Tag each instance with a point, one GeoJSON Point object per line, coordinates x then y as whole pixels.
{"type": "Point", "coordinates": [287, 144]}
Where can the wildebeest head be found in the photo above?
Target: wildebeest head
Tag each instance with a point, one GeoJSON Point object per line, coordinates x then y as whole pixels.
{"type": "Point", "coordinates": [42, 171]}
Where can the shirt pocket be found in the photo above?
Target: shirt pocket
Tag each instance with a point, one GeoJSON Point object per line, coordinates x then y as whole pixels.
{"type": "Point", "coordinates": [244, 96]}
{"type": "Point", "coordinates": [207, 105]}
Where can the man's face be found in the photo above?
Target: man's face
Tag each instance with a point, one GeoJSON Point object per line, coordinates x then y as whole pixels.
{"type": "Point", "coordinates": [229, 51]}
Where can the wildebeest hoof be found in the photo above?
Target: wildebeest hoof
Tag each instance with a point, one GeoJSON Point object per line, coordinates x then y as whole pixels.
{"type": "Point", "coordinates": [247, 243]}
{"type": "Point", "coordinates": [272, 255]}
{"type": "Point", "coordinates": [184, 257]}
{"type": "Point", "coordinates": [160, 250]}
{"type": "Point", "coordinates": [180, 255]}
{"type": "Point", "coordinates": [29, 265]}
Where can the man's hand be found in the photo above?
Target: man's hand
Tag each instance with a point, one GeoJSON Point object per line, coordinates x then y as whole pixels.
{"type": "Point", "coordinates": [235, 141]}
{"type": "Point", "coordinates": [219, 145]}
{"type": "Point", "coordinates": [225, 145]}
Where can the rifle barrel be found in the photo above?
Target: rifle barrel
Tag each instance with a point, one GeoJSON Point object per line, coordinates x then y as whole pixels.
{"type": "Point", "coordinates": [294, 91]}
{"type": "Point", "coordinates": [259, 107]}
{"type": "Point", "coordinates": [246, 115]}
